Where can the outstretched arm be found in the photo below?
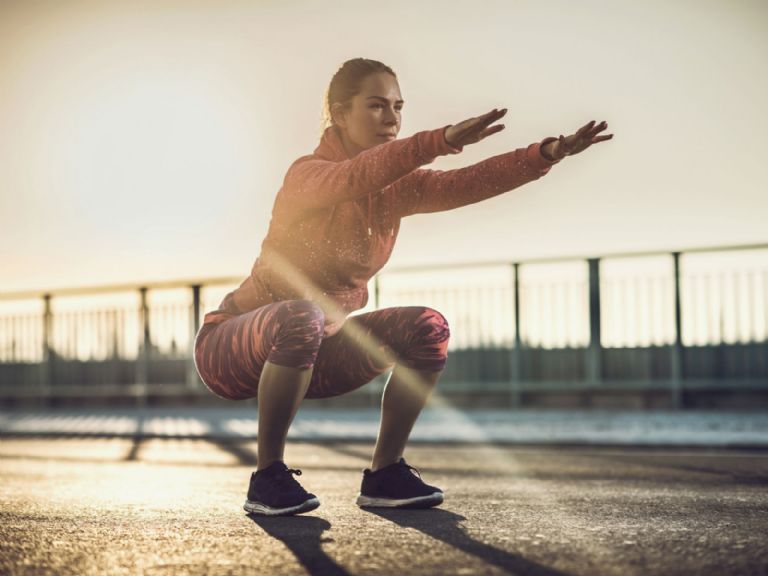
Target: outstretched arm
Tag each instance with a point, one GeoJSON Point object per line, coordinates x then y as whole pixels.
{"type": "Point", "coordinates": [313, 183]}
{"type": "Point", "coordinates": [434, 190]}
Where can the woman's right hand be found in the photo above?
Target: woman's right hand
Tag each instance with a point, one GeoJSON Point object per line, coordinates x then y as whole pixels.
{"type": "Point", "coordinates": [474, 129]}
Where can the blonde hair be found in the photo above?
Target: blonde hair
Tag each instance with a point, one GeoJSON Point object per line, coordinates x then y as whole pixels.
{"type": "Point", "coordinates": [346, 82]}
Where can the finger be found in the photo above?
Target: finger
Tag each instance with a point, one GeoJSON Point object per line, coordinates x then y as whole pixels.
{"type": "Point", "coordinates": [481, 124]}
{"type": "Point", "coordinates": [495, 112]}
{"type": "Point", "coordinates": [491, 117]}
{"type": "Point", "coordinates": [491, 130]}
{"type": "Point", "coordinates": [482, 117]}
{"type": "Point", "coordinates": [602, 138]}
{"type": "Point", "coordinates": [586, 128]}
{"type": "Point", "coordinates": [480, 121]}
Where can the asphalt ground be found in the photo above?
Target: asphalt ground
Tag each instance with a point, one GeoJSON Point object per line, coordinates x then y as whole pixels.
{"type": "Point", "coordinates": [99, 506]}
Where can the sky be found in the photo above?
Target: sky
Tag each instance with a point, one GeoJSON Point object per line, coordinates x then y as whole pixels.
{"type": "Point", "coordinates": [146, 141]}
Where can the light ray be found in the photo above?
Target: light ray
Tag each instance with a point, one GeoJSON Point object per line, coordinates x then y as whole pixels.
{"type": "Point", "coordinates": [377, 349]}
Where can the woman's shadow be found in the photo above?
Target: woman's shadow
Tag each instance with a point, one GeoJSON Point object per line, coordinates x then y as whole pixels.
{"type": "Point", "coordinates": [303, 535]}
{"type": "Point", "coordinates": [444, 525]}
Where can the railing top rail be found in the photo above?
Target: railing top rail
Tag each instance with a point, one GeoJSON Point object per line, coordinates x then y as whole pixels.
{"type": "Point", "coordinates": [556, 259]}
{"type": "Point", "coordinates": [163, 285]}
{"type": "Point", "coordinates": [170, 284]}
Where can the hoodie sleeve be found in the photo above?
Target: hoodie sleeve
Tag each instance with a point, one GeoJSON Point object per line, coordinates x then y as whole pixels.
{"type": "Point", "coordinates": [313, 183]}
{"type": "Point", "coordinates": [435, 190]}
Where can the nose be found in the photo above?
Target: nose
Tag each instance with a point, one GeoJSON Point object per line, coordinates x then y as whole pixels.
{"type": "Point", "coordinates": [390, 117]}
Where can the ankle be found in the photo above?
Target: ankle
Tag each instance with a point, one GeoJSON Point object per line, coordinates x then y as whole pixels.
{"type": "Point", "coordinates": [377, 465]}
{"type": "Point", "coordinates": [261, 464]}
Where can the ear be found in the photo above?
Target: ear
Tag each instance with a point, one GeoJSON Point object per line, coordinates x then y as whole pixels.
{"type": "Point", "coordinates": [339, 114]}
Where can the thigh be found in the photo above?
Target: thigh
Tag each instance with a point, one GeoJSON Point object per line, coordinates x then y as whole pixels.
{"type": "Point", "coordinates": [230, 355]}
{"type": "Point", "coordinates": [366, 346]}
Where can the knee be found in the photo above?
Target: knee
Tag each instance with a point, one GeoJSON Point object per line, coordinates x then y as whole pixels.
{"type": "Point", "coordinates": [303, 320]}
{"type": "Point", "coordinates": [431, 327]}
{"type": "Point", "coordinates": [427, 347]}
{"type": "Point", "coordinates": [304, 312]}
{"type": "Point", "coordinates": [299, 326]}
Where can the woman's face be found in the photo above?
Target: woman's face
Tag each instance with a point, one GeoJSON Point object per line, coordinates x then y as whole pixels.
{"type": "Point", "coordinates": [373, 116]}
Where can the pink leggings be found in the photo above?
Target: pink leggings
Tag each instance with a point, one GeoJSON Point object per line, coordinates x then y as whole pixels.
{"type": "Point", "coordinates": [230, 354]}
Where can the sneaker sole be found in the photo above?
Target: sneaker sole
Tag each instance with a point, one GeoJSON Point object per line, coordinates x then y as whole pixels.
{"type": "Point", "coordinates": [263, 510]}
{"type": "Point", "coordinates": [418, 502]}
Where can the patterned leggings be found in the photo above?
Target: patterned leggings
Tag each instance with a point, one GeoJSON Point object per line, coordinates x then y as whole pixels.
{"type": "Point", "coordinates": [230, 353]}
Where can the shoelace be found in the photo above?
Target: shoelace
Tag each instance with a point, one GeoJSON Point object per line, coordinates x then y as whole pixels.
{"type": "Point", "coordinates": [287, 476]}
{"type": "Point", "coordinates": [407, 470]}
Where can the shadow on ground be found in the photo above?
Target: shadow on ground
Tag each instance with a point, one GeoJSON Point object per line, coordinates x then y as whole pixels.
{"type": "Point", "coordinates": [445, 526]}
{"type": "Point", "coordinates": [303, 535]}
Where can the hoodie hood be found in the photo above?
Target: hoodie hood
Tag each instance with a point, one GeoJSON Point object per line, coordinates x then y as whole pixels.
{"type": "Point", "coordinates": [331, 147]}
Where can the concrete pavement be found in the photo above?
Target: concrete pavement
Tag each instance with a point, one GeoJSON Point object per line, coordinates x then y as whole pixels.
{"type": "Point", "coordinates": [172, 506]}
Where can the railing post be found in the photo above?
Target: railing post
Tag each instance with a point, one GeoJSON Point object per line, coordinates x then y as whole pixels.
{"type": "Point", "coordinates": [193, 379]}
{"type": "Point", "coordinates": [595, 350]}
{"type": "Point", "coordinates": [145, 342]}
{"type": "Point", "coordinates": [46, 367]}
{"type": "Point", "coordinates": [676, 382]}
{"type": "Point", "coordinates": [515, 371]}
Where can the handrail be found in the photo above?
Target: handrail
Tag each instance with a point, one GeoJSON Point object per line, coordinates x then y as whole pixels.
{"type": "Point", "coordinates": [119, 288]}
{"type": "Point", "coordinates": [167, 284]}
{"type": "Point", "coordinates": [554, 259]}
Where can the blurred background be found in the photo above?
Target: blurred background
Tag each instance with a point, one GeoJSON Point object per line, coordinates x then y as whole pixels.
{"type": "Point", "coordinates": [142, 145]}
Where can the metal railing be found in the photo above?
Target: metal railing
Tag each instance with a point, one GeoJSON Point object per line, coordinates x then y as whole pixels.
{"type": "Point", "coordinates": [580, 310]}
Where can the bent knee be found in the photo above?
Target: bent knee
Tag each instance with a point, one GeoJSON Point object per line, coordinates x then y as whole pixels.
{"type": "Point", "coordinates": [427, 347]}
{"type": "Point", "coordinates": [299, 334]}
{"type": "Point", "coordinates": [302, 315]}
{"type": "Point", "coordinates": [432, 327]}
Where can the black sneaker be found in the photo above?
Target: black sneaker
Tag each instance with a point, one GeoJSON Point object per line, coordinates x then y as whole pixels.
{"type": "Point", "coordinates": [274, 491]}
{"type": "Point", "coordinates": [397, 486]}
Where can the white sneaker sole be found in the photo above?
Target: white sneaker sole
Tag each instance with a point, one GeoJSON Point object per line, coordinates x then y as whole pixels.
{"type": "Point", "coordinates": [264, 510]}
{"type": "Point", "coordinates": [418, 502]}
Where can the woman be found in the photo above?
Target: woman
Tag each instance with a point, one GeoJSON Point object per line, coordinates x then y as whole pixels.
{"type": "Point", "coordinates": [283, 335]}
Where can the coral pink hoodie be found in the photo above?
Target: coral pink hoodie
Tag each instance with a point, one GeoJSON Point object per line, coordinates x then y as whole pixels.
{"type": "Point", "coordinates": [335, 220]}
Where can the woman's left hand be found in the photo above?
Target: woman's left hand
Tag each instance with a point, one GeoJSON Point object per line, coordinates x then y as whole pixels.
{"type": "Point", "coordinates": [578, 142]}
